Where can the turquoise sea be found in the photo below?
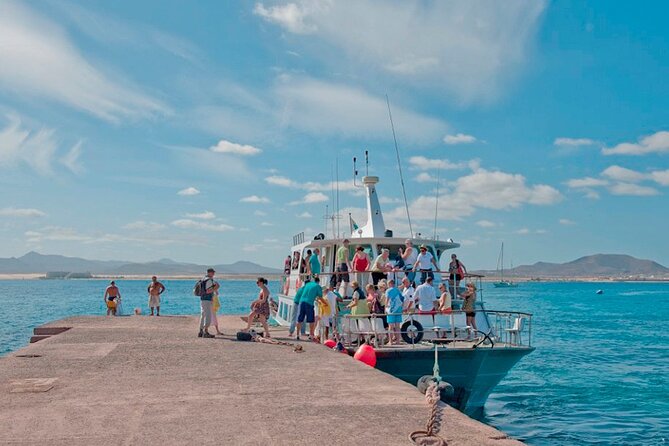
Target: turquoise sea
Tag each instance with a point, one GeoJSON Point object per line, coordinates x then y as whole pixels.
{"type": "Point", "coordinates": [600, 374]}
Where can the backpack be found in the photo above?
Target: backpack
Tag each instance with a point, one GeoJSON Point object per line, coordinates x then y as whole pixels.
{"type": "Point", "coordinates": [200, 288]}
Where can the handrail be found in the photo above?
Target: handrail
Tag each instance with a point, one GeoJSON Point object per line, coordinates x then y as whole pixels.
{"type": "Point", "coordinates": [505, 331]}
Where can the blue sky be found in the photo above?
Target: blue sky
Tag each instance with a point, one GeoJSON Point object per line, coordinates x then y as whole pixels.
{"type": "Point", "coordinates": [209, 131]}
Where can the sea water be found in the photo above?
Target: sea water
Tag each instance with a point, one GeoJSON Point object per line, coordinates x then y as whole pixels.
{"type": "Point", "coordinates": [600, 374]}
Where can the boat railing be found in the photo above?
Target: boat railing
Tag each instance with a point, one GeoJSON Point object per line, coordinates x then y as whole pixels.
{"type": "Point", "coordinates": [503, 329]}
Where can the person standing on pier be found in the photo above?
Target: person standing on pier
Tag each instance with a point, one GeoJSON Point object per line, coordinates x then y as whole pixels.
{"type": "Point", "coordinates": [155, 289]}
{"type": "Point", "coordinates": [207, 285]}
{"type": "Point", "coordinates": [312, 292]}
{"type": "Point", "coordinates": [112, 295]}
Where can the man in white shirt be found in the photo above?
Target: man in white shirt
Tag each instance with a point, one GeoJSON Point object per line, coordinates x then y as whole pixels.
{"type": "Point", "coordinates": [425, 296]}
{"type": "Point", "coordinates": [409, 255]}
{"type": "Point", "coordinates": [424, 264]}
{"type": "Point", "coordinates": [407, 294]}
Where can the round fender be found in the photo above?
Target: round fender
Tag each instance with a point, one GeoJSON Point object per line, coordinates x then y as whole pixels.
{"type": "Point", "coordinates": [412, 332]}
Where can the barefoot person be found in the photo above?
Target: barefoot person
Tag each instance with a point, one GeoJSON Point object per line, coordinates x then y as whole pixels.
{"type": "Point", "coordinates": [111, 298]}
{"type": "Point", "coordinates": [155, 289]}
{"type": "Point", "coordinates": [260, 307]}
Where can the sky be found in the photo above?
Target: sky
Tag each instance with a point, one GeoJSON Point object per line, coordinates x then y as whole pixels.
{"type": "Point", "coordinates": [211, 132]}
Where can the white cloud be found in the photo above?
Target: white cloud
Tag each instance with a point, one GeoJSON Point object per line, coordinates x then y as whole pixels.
{"type": "Point", "coordinates": [319, 107]}
{"type": "Point", "coordinates": [70, 235]}
{"type": "Point", "coordinates": [21, 212]}
{"type": "Point", "coordinates": [278, 180]}
{"type": "Point", "coordinates": [266, 223]}
{"type": "Point", "coordinates": [578, 183]}
{"type": "Point", "coordinates": [107, 29]}
{"type": "Point", "coordinates": [479, 46]}
{"type": "Point", "coordinates": [304, 214]}
{"type": "Point", "coordinates": [425, 177]}
{"type": "Point", "coordinates": [259, 213]}
{"type": "Point", "coordinates": [224, 146]}
{"type": "Point", "coordinates": [459, 138]}
{"type": "Point", "coordinates": [574, 142]}
{"type": "Point", "coordinates": [424, 163]}
{"type": "Point", "coordinates": [141, 225]}
{"type": "Point", "coordinates": [38, 43]}
{"type": "Point", "coordinates": [254, 199]}
{"type": "Point", "coordinates": [312, 186]}
{"type": "Point", "coordinates": [655, 143]}
{"type": "Point", "coordinates": [523, 231]}
{"type": "Point", "coordinates": [623, 174]}
{"type": "Point", "coordinates": [660, 177]}
{"type": "Point", "coordinates": [206, 215]}
{"type": "Point", "coordinates": [192, 224]}
{"type": "Point", "coordinates": [310, 198]}
{"type": "Point", "coordinates": [290, 16]}
{"type": "Point", "coordinates": [632, 189]}
{"type": "Point", "coordinates": [189, 191]}
{"type": "Point", "coordinates": [36, 149]}
{"type": "Point", "coordinates": [480, 189]}
{"type": "Point", "coordinates": [566, 222]}
{"type": "Point", "coordinates": [485, 224]}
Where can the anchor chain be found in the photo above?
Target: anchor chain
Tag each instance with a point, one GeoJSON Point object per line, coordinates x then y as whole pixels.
{"type": "Point", "coordinates": [429, 436]}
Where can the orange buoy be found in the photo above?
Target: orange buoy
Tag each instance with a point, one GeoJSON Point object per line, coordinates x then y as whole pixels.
{"type": "Point", "coordinates": [330, 343]}
{"type": "Point", "coordinates": [366, 354]}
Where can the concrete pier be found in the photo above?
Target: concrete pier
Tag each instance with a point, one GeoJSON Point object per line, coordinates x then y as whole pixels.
{"type": "Point", "coordinates": [142, 380]}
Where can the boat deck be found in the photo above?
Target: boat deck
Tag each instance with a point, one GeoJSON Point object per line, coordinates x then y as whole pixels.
{"type": "Point", "coordinates": [150, 381]}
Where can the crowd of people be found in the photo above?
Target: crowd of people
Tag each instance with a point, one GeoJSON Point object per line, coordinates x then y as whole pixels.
{"type": "Point", "coordinates": [382, 287]}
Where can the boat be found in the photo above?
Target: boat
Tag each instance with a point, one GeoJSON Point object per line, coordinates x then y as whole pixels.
{"type": "Point", "coordinates": [500, 267]}
{"type": "Point", "coordinates": [472, 361]}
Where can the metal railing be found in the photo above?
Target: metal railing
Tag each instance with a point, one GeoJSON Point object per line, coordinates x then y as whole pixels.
{"type": "Point", "coordinates": [498, 329]}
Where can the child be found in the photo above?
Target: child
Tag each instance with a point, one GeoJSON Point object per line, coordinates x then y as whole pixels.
{"type": "Point", "coordinates": [215, 306]}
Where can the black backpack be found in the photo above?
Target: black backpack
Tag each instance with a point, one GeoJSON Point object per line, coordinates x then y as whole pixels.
{"type": "Point", "coordinates": [200, 288]}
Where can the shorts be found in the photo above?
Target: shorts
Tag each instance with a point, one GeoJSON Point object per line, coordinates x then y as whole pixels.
{"type": "Point", "coordinates": [394, 319]}
{"type": "Point", "coordinates": [470, 314]}
{"type": "Point", "coordinates": [456, 277]}
{"type": "Point", "coordinates": [306, 312]}
{"type": "Point", "coordinates": [111, 304]}
{"type": "Point", "coordinates": [154, 301]}
{"type": "Point", "coordinates": [325, 321]}
{"type": "Point", "coordinates": [343, 268]}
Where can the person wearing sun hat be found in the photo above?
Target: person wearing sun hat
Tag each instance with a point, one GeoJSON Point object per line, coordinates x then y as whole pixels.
{"type": "Point", "coordinates": [424, 263]}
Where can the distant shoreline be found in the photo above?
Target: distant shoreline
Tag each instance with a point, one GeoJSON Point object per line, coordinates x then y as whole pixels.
{"type": "Point", "coordinates": [245, 277]}
{"type": "Point", "coordinates": [230, 277]}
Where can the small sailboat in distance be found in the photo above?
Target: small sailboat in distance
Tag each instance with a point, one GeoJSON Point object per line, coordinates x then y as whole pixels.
{"type": "Point", "coordinates": [500, 267]}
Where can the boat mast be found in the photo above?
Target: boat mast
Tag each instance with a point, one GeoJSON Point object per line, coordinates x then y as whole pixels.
{"type": "Point", "coordinates": [399, 166]}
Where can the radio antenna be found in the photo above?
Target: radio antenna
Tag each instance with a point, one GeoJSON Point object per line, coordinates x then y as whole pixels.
{"type": "Point", "coordinates": [399, 166]}
{"type": "Point", "coordinates": [436, 205]}
{"type": "Point", "coordinates": [366, 163]}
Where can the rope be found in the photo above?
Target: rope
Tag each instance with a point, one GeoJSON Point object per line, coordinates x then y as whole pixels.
{"type": "Point", "coordinates": [260, 339]}
{"type": "Point", "coordinates": [429, 435]}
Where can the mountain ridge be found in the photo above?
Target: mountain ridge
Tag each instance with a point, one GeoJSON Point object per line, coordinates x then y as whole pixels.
{"type": "Point", "coordinates": [34, 262]}
{"type": "Point", "coordinates": [595, 265]}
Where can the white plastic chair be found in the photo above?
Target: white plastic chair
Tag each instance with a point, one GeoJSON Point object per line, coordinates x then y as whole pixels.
{"type": "Point", "coordinates": [516, 331]}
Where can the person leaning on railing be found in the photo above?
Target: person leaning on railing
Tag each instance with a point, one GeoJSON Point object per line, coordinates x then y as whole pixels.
{"type": "Point", "coordinates": [381, 266]}
{"type": "Point", "coordinates": [468, 307]}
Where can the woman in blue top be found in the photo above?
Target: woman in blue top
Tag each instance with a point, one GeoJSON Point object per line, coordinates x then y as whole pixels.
{"type": "Point", "coordinates": [394, 310]}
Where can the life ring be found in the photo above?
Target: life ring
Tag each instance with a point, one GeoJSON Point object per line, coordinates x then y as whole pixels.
{"type": "Point", "coordinates": [412, 332]}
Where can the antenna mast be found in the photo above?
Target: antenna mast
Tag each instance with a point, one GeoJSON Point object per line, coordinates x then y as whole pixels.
{"type": "Point", "coordinates": [337, 169]}
{"type": "Point", "coordinates": [436, 205]}
{"type": "Point", "coordinates": [399, 166]}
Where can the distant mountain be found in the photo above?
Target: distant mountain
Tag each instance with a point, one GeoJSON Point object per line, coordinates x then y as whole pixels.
{"type": "Point", "coordinates": [34, 262]}
{"type": "Point", "coordinates": [598, 265]}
